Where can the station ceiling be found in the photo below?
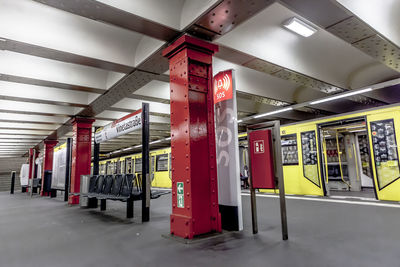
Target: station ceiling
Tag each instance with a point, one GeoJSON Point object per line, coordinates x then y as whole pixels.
{"type": "Point", "coordinates": [102, 59]}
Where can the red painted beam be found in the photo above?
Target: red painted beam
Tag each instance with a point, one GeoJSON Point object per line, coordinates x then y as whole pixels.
{"type": "Point", "coordinates": [194, 178]}
{"type": "Point", "coordinates": [81, 154]}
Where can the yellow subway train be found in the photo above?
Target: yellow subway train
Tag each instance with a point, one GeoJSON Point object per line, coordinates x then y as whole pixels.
{"type": "Point", "coordinates": [160, 166]}
{"type": "Point", "coordinates": [348, 154]}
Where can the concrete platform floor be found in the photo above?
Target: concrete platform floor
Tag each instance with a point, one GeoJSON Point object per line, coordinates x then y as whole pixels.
{"type": "Point", "coordinates": [46, 232]}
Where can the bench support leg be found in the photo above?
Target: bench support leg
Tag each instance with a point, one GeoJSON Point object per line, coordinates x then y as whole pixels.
{"type": "Point", "coordinates": [129, 208]}
{"type": "Point", "coordinates": [53, 193]}
{"type": "Point", "coordinates": [103, 204]}
{"type": "Point", "coordinates": [92, 203]}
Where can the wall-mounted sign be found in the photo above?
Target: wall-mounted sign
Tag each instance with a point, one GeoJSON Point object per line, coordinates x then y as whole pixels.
{"type": "Point", "coordinates": [223, 86]}
{"type": "Point", "coordinates": [119, 127]}
{"type": "Point", "coordinates": [259, 146]}
{"type": "Point", "coordinates": [180, 195]}
{"type": "Point", "coordinates": [229, 198]}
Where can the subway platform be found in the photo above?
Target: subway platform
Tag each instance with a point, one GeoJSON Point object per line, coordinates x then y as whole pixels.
{"type": "Point", "coordinates": [332, 232]}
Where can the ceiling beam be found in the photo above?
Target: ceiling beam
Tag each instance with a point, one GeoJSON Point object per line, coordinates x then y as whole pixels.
{"type": "Point", "coordinates": [44, 52]}
{"type": "Point", "coordinates": [98, 11]}
{"type": "Point", "coordinates": [32, 81]}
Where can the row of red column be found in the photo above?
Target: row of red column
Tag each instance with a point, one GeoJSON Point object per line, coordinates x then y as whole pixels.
{"type": "Point", "coordinates": [195, 209]}
{"type": "Point", "coordinates": [81, 157]}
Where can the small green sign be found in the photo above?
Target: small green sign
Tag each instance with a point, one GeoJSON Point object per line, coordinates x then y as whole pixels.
{"type": "Point", "coordinates": [180, 194]}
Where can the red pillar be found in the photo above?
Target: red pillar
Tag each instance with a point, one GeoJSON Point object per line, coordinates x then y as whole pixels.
{"type": "Point", "coordinates": [47, 161]}
{"type": "Point", "coordinates": [193, 138]}
{"type": "Point", "coordinates": [81, 154]}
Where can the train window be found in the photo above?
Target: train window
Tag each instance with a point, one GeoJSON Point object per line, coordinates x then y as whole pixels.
{"type": "Point", "coordinates": [153, 166]}
{"type": "Point", "coordinates": [102, 169]}
{"type": "Point", "coordinates": [118, 169]}
{"type": "Point", "coordinates": [128, 165]}
{"type": "Point", "coordinates": [364, 154]}
{"type": "Point", "coordinates": [385, 152]}
{"type": "Point", "coordinates": [123, 169]}
{"type": "Point", "coordinates": [109, 167]}
{"type": "Point", "coordinates": [162, 163]}
{"type": "Point", "coordinates": [310, 160]}
{"type": "Point", "coordinates": [138, 165]}
{"type": "Point", "coordinates": [289, 150]}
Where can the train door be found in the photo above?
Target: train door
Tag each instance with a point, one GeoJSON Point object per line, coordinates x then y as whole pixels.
{"type": "Point", "coordinates": [364, 160]}
{"type": "Point", "coordinates": [346, 158]}
{"type": "Point", "coordinates": [383, 139]}
{"type": "Point", "coordinates": [310, 182]}
{"type": "Point", "coordinates": [243, 164]}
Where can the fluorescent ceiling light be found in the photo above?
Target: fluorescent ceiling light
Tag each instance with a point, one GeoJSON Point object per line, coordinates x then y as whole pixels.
{"type": "Point", "coordinates": [300, 27]}
{"type": "Point", "coordinates": [341, 96]}
{"type": "Point", "coordinates": [272, 112]}
{"type": "Point", "coordinates": [239, 121]}
{"type": "Point", "coordinates": [357, 131]}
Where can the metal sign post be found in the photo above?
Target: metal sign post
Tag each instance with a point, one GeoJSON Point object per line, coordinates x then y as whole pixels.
{"type": "Point", "coordinates": [139, 119]}
{"type": "Point", "coordinates": [12, 182]}
{"type": "Point", "coordinates": [278, 170]}
{"type": "Point", "coordinates": [145, 163]}
{"type": "Point", "coordinates": [68, 169]}
{"type": "Point", "coordinates": [32, 172]}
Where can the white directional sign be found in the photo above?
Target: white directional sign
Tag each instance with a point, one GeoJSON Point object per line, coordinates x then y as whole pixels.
{"type": "Point", "coordinates": [119, 127]}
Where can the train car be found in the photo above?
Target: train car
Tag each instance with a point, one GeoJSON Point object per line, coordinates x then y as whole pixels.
{"type": "Point", "coordinates": [351, 152]}
{"type": "Point", "coordinates": [160, 166]}
{"type": "Point", "coordinates": [354, 152]}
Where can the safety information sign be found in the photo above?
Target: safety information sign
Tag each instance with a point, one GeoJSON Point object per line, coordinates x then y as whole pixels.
{"type": "Point", "coordinates": [180, 194]}
{"type": "Point", "coordinates": [119, 127]}
{"type": "Point", "coordinates": [223, 86]}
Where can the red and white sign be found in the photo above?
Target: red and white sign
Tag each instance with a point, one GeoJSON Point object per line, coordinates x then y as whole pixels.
{"type": "Point", "coordinates": [259, 147]}
{"type": "Point", "coordinates": [129, 123]}
{"type": "Point", "coordinates": [223, 86]}
{"type": "Point", "coordinates": [261, 159]}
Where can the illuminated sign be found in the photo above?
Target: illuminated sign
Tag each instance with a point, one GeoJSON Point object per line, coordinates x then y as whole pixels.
{"type": "Point", "coordinates": [223, 86]}
{"type": "Point", "coordinates": [119, 127]}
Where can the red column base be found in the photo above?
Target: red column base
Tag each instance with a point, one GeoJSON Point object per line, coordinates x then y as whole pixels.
{"type": "Point", "coordinates": [185, 227]}
{"type": "Point", "coordinates": [44, 194]}
{"type": "Point", "coordinates": [73, 200]}
{"type": "Point", "coordinates": [182, 226]}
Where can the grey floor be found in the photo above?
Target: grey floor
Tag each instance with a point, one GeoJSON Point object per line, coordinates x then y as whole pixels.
{"type": "Point", "coordinates": [364, 193]}
{"type": "Point", "coordinates": [45, 232]}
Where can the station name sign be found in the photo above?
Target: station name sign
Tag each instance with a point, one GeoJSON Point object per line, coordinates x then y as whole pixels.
{"type": "Point", "coordinates": [119, 127]}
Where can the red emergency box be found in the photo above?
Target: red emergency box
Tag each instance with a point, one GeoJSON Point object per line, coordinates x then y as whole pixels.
{"type": "Point", "coordinates": [261, 158]}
